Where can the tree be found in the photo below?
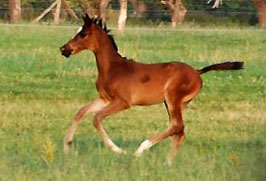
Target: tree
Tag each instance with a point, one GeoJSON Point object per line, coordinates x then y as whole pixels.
{"type": "Point", "coordinates": [177, 11]}
{"type": "Point", "coordinates": [14, 10]}
{"type": "Point", "coordinates": [261, 11]}
{"type": "Point", "coordinates": [260, 6]}
{"type": "Point", "coordinates": [123, 15]}
{"type": "Point", "coordinates": [58, 4]}
{"type": "Point", "coordinates": [138, 7]}
{"type": "Point", "coordinates": [103, 9]}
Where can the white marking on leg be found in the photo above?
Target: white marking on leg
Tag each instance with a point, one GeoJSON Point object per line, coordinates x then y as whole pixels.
{"type": "Point", "coordinates": [144, 146]}
{"type": "Point", "coordinates": [112, 146]}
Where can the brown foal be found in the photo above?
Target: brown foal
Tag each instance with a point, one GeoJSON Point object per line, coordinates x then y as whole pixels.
{"type": "Point", "coordinates": [122, 83]}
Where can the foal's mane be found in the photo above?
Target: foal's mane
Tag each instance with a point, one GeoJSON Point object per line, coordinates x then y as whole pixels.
{"type": "Point", "coordinates": [98, 21]}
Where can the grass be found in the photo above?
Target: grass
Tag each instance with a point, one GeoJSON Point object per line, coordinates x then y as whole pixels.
{"type": "Point", "coordinates": [40, 91]}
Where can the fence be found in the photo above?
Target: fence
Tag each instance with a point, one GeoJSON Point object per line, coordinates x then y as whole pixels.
{"type": "Point", "coordinates": [152, 14]}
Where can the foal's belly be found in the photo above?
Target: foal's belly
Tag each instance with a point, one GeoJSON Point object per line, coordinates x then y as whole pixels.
{"type": "Point", "coordinates": [147, 95]}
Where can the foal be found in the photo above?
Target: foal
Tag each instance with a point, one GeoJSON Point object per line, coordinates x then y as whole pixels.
{"type": "Point", "coordinates": [122, 83]}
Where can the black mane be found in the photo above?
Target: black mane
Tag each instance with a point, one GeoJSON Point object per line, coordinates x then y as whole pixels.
{"type": "Point", "coordinates": [102, 25]}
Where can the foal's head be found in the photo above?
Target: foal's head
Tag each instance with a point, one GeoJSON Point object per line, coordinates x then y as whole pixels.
{"type": "Point", "coordinates": [86, 37]}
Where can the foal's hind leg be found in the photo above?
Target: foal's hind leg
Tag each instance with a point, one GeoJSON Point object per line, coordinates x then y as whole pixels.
{"type": "Point", "coordinates": [176, 140]}
{"type": "Point", "coordinates": [176, 127]}
{"type": "Point", "coordinates": [92, 107]}
{"type": "Point", "coordinates": [175, 144]}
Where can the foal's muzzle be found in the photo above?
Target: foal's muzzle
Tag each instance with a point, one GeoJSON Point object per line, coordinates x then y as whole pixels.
{"type": "Point", "coordinates": [66, 50]}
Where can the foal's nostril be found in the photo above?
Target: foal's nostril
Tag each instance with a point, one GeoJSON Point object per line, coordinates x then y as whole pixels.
{"type": "Point", "coordinates": [66, 50]}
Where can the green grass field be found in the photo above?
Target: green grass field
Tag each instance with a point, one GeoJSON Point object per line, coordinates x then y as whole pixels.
{"type": "Point", "coordinates": [40, 92]}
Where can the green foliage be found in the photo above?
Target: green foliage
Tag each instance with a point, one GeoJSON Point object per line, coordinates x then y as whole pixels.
{"type": "Point", "coordinates": [41, 91]}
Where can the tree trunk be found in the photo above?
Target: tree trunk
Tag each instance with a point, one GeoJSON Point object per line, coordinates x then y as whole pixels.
{"type": "Point", "coordinates": [179, 14]}
{"type": "Point", "coordinates": [69, 10]}
{"type": "Point", "coordinates": [14, 10]}
{"type": "Point", "coordinates": [177, 11]}
{"type": "Point", "coordinates": [261, 11]}
{"type": "Point", "coordinates": [123, 15]}
{"type": "Point", "coordinates": [103, 9]}
{"type": "Point", "coordinates": [44, 12]}
{"type": "Point", "coordinates": [57, 12]}
{"type": "Point", "coordinates": [93, 8]}
{"type": "Point", "coordinates": [138, 6]}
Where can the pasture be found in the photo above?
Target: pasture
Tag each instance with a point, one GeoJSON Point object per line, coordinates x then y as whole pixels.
{"type": "Point", "coordinates": [40, 92]}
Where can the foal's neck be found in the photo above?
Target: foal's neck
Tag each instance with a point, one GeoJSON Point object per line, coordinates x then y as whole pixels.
{"type": "Point", "coordinates": [106, 55]}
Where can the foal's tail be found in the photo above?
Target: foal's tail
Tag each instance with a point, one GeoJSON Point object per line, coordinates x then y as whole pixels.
{"type": "Point", "coordinates": [222, 66]}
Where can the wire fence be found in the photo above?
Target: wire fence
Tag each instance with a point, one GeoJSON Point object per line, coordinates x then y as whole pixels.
{"type": "Point", "coordinates": [153, 13]}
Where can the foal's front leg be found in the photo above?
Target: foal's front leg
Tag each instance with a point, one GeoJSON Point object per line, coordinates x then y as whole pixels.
{"type": "Point", "coordinates": [92, 107]}
{"type": "Point", "coordinates": [114, 107]}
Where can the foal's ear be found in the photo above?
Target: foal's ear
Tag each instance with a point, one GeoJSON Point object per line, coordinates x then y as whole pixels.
{"type": "Point", "coordinates": [87, 20]}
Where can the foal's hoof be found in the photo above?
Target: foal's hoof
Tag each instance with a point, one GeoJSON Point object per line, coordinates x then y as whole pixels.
{"type": "Point", "coordinates": [169, 161]}
{"type": "Point", "coordinates": [119, 150]}
{"type": "Point", "coordinates": [143, 146]}
{"type": "Point", "coordinates": [66, 149]}
{"type": "Point", "coordinates": [137, 154]}
{"type": "Point", "coordinates": [124, 152]}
